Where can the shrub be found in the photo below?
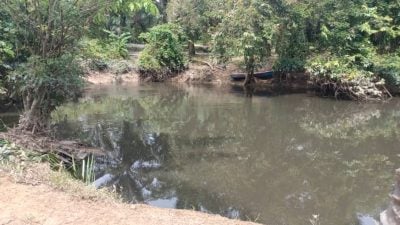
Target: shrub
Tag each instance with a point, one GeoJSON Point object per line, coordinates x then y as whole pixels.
{"type": "Point", "coordinates": [97, 49]}
{"type": "Point", "coordinates": [292, 47]}
{"type": "Point", "coordinates": [119, 43]}
{"type": "Point", "coordinates": [341, 78]}
{"type": "Point", "coordinates": [99, 53]}
{"type": "Point", "coordinates": [44, 84]}
{"type": "Point", "coordinates": [344, 68]}
{"type": "Point", "coordinates": [6, 54]}
{"type": "Point", "coordinates": [163, 55]}
{"type": "Point", "coordinates": [285, 65]}
{"type": "Point", "coordinates": [388, 68]}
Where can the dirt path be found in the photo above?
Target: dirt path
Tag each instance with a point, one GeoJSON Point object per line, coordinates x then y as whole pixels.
{"type": "Point", "coordinates": [24, 204]}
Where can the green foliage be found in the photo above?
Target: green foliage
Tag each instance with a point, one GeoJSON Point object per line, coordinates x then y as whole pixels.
{"type": "Point", "coordinates": [124, 16]}
{"type": "Point", "coordinates": [196, 17]}
{"type": "Point", "coordinates": [253, 52]}
{"type": "Point", "coordinates": [46, 83]}
{"type": "Point", "coordinates": [7, 49]}
{"type": "Point", "coordinates": [343, 49]}
{"type": "Point", "coordinates": [290, 38]}
{"type": "Point", "coordinates": [118, 43]}
{"type": "Point", "coordinates": [13, 155]}
{"type": "Point", "coordinates": [84, 169]}
{"type": "Point", "coordinates": [286, 65]}
{"type": "Point", "coordinates": [164, 51]}
{"type": "Point", "coordinates": [128, 6]}
{"type": "Point", "coordinates": [244, 31]}
{"type": "Point", "coordinates": [388, 67]}
{"type": "Point", "coordinates": [336, 68]}
{"type": "Point", "coordinates": [49, 28]}
{"type": "Point", "coordinates": [6, 53]}
{"type": "Point", "coordinates": [99, 52]}
{"type": "Point", "coordinates": [221, 48]}
{"type": "Point", "coordinates": [79, 169]}
{"type": "Point", "coordinates": [97, 49]}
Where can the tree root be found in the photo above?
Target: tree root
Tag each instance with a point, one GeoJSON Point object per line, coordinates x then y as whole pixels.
{"type": "Point", "coordinates": [156, 76]}
{"type": "Point", "coordinates": [358, 90]}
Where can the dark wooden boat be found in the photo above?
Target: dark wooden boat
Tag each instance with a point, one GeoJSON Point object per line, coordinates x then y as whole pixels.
{"type": "Point", "coordinates": [259, 75]}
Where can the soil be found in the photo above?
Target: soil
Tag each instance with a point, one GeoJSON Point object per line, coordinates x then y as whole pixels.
{"type": "Point", "coordinates": [100, 78]}
{"type": "Point", "coordinates": [200, 71]}
{"type": "Point", "coordinates": [40, 204]}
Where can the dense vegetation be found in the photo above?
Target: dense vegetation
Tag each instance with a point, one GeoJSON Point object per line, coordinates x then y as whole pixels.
{"type": "Point", "coordinates": [350, 49]}
{"type": "Point", "coordinates": [40, 54]}
{"type": "Point", "coordinates": [163, 54]}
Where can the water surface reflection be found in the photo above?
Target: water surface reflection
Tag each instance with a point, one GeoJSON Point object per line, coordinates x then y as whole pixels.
{"type": "Point", "coordinates": [279, 159]}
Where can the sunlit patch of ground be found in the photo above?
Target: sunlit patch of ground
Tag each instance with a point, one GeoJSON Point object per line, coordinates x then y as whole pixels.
{"type": "Point", "coordinates": [23, 203]}
{"type": "Point", "coordinates": [31, 193]}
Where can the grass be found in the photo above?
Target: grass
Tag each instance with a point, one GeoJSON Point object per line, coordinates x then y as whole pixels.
{"type": "Point", "coordinates": [65, 182]}
{"type": "Point", "coordinates": [29, 167]}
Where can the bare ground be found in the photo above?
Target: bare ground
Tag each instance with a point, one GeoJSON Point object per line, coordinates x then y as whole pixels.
{"type": "Point", "coordinates": [100, 78]}
{"type": "Point", "coordinates": [40, 203]}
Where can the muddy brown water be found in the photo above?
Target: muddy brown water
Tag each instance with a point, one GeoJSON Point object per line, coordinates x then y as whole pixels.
{"type": "Point", "coordinates": [274, 159]}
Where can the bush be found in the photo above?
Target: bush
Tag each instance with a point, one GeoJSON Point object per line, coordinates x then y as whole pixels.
{"type": "Point", "coordinates": [337, 68]}
{"type": "Point", "coordinates": [163, 55]}
{"type": "Point", "coordinates": [99, 53]}
{"type": "Point", "coordinates": [97, 49]}
{"type": "Point", "coordinates": [292, 47]}
{"type": "Point", "coordinates": [285, 65]}
{"type": "Point", "coordinates": [341, 78]}
{"type": "Point", "coordinates": [44, 84]}
{"type": "Point", "coordinates": [388, 68]}
{"type": "Point", "coordinates": [119, 43]}
{"type": "Point", "coordinates": [6, 54]}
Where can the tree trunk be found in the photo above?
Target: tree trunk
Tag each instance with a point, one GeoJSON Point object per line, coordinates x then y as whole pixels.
{"type": "Point", "coordinates": [34, 121]}
{"type": "Point", "coordinates": [250, 68]}
{"type": "Point", "coordinates": [250, 80]}
{"type": "Point", "coordinates": [192, 48]}
{"type": "Point", "coordinates": [36, 115]}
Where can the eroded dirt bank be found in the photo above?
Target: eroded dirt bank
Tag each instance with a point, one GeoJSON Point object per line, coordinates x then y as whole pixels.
{"type": "Point", "coordinates": [41, 204]}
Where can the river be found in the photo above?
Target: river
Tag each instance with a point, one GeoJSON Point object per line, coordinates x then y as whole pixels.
{"type": "Point", "coordinates": [274, 159]}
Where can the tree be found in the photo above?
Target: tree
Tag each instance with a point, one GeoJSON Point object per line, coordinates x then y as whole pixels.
{"type": "Point", "coordinates": [290, 40]}
{"type": "Point", "coordinates": [121, 15]}
{"type": "Point", "coordinates": [49, 31]}
{"type": "Point", "coordinates": [246, 30]}
{"type": "Point", "coordinates": [194, 17]}
{"type": "Point", "coordinates": [163, 55]}
{"type": "Point", "coordinates": [7, 50]}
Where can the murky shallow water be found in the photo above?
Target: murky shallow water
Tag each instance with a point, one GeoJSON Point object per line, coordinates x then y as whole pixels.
{"type": "Point", "coordinates": [273, 159]}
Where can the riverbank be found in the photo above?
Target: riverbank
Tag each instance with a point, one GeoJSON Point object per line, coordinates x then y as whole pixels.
{"type": "Point", "coordinates": [30, 204]}
{"type": "Point", "coordinates": [32, 193]}
{"type": "Point", "coordinates": [202, 72]}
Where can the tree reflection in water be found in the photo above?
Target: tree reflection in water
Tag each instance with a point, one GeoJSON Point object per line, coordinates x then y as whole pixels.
{"type": "Point", "coordinates": [280, 159]}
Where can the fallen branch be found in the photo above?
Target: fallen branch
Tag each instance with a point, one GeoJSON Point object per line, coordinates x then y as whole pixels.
{"type": "Point", "coordinates": [45, 144]}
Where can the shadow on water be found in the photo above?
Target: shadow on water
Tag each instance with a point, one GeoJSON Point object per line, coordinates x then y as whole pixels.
{"type": "Point", "coordinates": [278, 159]}
{"type": "Point", "coordinates": [265, 91]}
